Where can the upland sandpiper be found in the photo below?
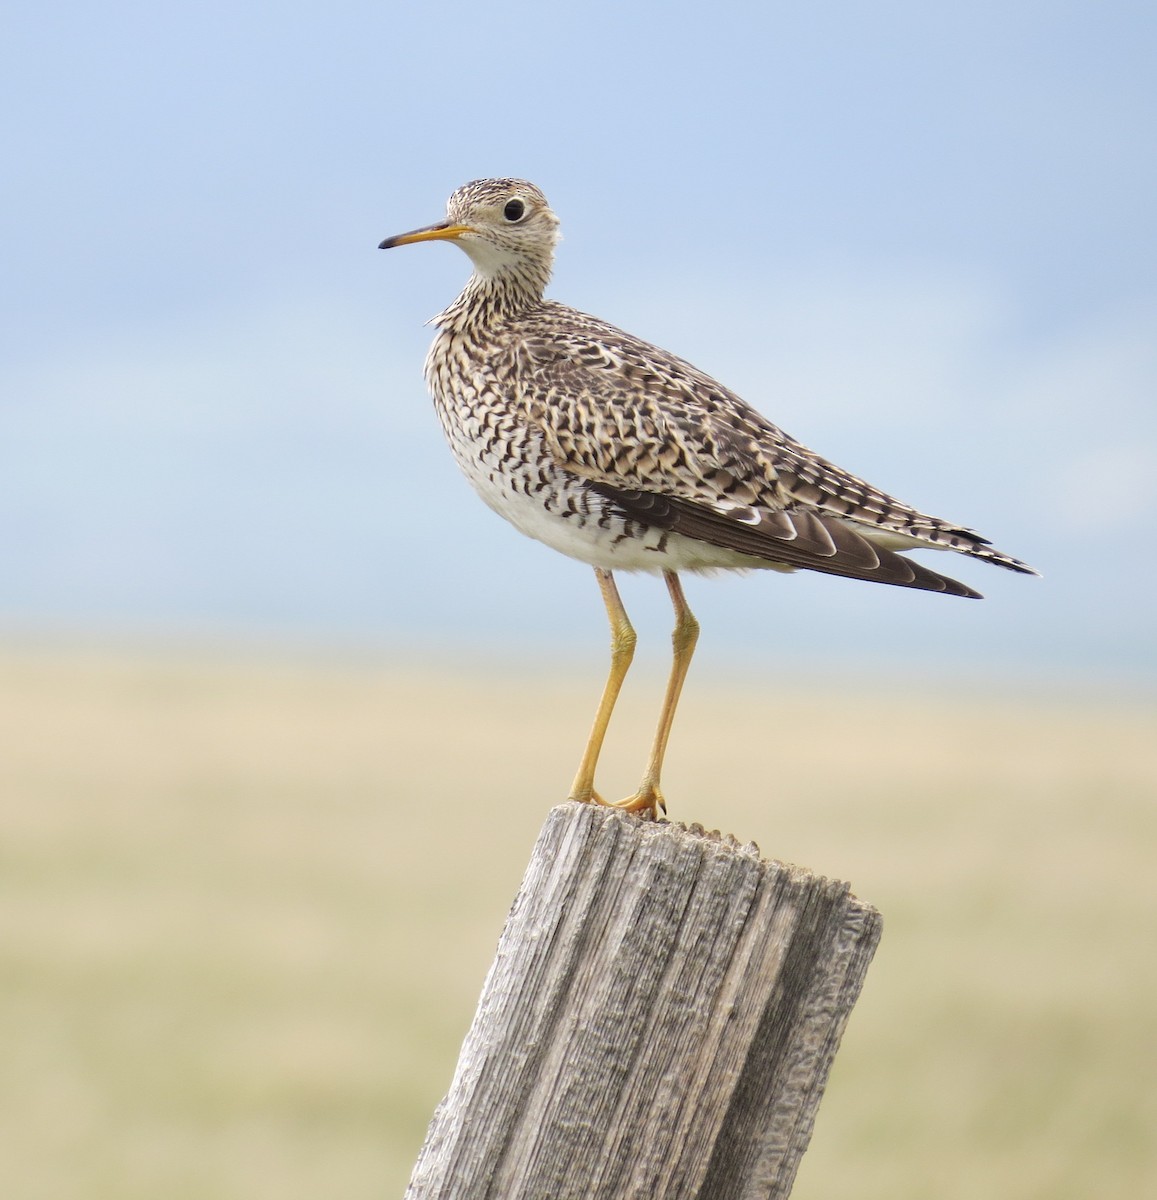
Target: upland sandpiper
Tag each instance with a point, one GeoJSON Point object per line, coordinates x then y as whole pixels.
{"type": "Point", "coordinates": [627, 458]}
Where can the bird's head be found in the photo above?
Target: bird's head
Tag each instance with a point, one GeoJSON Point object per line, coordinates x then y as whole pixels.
{"type": "Point", "coordinates": [504, 225]}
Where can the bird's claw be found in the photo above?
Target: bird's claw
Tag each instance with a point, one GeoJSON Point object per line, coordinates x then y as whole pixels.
{"type": "Point", "coordinates": [648, 802]}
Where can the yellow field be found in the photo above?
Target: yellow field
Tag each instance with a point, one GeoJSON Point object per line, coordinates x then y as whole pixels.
{"type": "Point", "coordinates": [246, 909]}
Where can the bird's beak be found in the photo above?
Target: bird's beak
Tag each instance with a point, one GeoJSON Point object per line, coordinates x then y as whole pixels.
{"type": "Point", "coordinates": [442, 232]}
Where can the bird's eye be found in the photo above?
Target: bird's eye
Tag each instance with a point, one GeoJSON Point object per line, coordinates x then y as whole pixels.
{"type": "Point", "coordinates": [515, 210]}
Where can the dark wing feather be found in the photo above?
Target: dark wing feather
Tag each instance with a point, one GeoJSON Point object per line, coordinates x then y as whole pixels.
{"type": "Point", "coordinates": [800, 538]}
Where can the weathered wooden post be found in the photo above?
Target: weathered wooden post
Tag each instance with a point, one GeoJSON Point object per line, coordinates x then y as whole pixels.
{"type": "Point", "coordinates": [658, 1023]}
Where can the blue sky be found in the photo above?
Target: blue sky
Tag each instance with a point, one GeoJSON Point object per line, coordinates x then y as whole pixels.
{"type": "Point", "coordinates": [919, 238]}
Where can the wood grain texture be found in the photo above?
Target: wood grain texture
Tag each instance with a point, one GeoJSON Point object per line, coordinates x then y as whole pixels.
{"type": "Point", "coordinates": [659, 1021]}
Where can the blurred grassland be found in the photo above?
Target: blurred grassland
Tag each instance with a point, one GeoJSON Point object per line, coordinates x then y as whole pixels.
{"type": "Point", "coordinates": [246, 909]}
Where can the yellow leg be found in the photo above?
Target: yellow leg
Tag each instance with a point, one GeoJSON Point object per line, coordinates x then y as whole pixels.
{"type": "Point", "coordinates": [649, 799]}
{"type": "Point", "coordinates": [622, 652]}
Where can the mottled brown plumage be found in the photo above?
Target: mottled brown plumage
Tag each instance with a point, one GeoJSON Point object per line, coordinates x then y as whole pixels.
{"type": "Point", "coordinates": [623, 456]}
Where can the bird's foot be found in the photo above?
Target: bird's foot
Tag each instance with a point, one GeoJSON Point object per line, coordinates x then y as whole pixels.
{"type": "Point", "coordinates": [648, 801]}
